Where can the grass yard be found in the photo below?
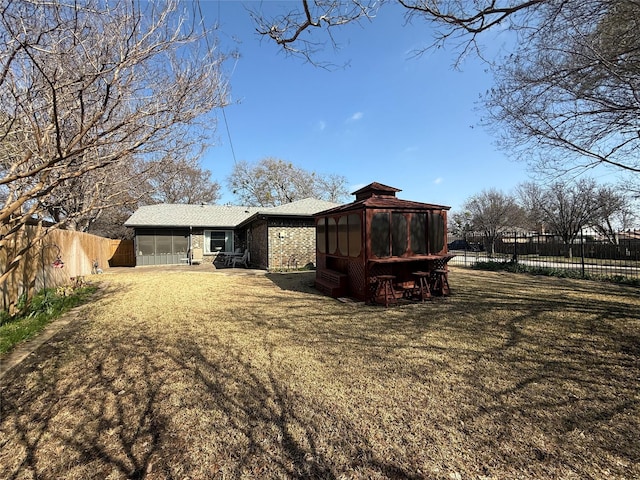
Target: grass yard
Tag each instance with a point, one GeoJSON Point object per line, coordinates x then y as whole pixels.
{"type": "Point", "coordinates": [196, 374]}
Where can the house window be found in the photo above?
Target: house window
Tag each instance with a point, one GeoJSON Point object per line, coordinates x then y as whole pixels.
{"type": "Point", "coordinates": [218, 241]}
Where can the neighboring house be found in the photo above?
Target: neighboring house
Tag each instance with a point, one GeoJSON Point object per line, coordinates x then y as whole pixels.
{"type": "Point", "coordinates": [276, 237]}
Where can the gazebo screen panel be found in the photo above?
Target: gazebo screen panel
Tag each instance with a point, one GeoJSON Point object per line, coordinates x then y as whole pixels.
{"type": "Point", "coordinates": [419, 233]}
{"type": "Point", "coordinates": [321, 235]}
{"type": "Point", "coordinates": [355, 235]}
{"type": "Point", "coordinates": [436, 232]}
{"type": "Point", "coordinates": [343, 235]}
{"type": "Point", "coordinates": [398, 234]}
{"type": "Point", "coordinates": [380, 230]}
{"type": "Point", "coordinates": [332, 236]}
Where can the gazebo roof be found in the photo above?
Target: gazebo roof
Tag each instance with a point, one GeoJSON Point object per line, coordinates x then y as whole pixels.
{"type": "Point", "coordinates": [377, 195]}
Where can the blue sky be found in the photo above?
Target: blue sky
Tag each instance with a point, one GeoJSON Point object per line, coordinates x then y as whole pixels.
{"type": "Point", "coordinates": [405, 121]}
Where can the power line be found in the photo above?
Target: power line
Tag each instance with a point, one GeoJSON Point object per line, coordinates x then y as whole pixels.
{"type": "Point", "coordinates": [233, 153]}
{"type": "Point", "coordinates": [224, 115]}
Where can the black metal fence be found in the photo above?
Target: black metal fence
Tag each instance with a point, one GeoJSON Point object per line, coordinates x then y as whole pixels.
{"type": "Point", "coordinates": [587, 256]}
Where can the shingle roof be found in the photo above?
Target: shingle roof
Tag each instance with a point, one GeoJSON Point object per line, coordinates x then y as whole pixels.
{"type": "Point", "coordinates": [307, 206]}
{"type": "Point", "coordinates": [218, 216]}
{"type": "Point", "coordinates": [179, 215]}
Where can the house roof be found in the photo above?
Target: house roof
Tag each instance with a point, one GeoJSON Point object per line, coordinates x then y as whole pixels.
{"type": "Point", "coordinates": [307, 206]}
{"type": "Point", "coordinates": [218, 216]}
{"type": "Point", "coordinates": [180, 215]}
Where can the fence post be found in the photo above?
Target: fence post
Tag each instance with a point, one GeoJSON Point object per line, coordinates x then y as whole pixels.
{"type": "Point", "coordinates": [582, 252]}
{"type": "Point", "coordinates": [515, 247]}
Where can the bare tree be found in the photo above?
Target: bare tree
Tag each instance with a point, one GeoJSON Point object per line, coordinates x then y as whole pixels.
{"type": "Point", "coordinates": [460, 224]}
{"type": "Point", "coordinates": [493, 212]}
{"type": "Point", "coordinates": [87, 87]}
{"type": "Point", "coordinates": [184, 181]}
{"type": "Point", "coordinates": [460, 21]}
{"type": "Point", "coordinates": [617, 212]}
{"type": "Point", "coordinates": [570, 99]}
{"type": "Point", "coordinates": [273, 182]}
{"type": "Point", "coordinates": [566, 97]}
{"type": "Point", "coordinates": [332, 187]}
{"type": "Point", "coordinates": [79, 202]}
{"type": "Point", "coordinates": [564, 209]}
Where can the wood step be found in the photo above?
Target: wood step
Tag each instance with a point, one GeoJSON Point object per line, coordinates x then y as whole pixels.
{"type": "Point", "coordinates": [332, 283]}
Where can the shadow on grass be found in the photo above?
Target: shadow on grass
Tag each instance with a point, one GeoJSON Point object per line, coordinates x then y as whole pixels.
{"type": "Point", "coordinates": [547, 368]}
{"type": "Point", "coordinates": [302, 282]}
{"type": "Point", "coordinates": [505, 379]}
{"type": "Point", "coordinates": [138, 410]}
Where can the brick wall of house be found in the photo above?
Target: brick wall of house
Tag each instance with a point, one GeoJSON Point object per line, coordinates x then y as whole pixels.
{"type": "Point", "coordinates": [197, 241]}
{"type": "Point", "coordinates": [280, 244]}
{"type": "Point", "coordinates": [197, 238]}
{"type": "Point", "coordinates": [292, 243]}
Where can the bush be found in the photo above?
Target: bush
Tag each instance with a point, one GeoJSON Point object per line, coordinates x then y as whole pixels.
{"type": "Point", "coordinates": [515, 267]}
{"type": "Point", "coordinates": [33, 317]}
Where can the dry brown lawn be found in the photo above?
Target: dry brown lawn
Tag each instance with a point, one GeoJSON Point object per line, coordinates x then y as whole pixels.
{"type": "Point", "coordinates": [196, 374]}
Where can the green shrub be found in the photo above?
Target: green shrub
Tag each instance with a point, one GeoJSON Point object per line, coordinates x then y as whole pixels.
{"type": "Point", "coordinates": [33, 317]}
{"type": "Point", "coordinates": [515, 267]}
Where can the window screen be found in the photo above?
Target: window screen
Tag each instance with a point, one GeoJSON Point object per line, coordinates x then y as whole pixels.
{"type": "Point", "coordinates": [436, 232]}
{"type": "Point", "coordinates": [355, 235]}
{"type": "Point", "coordinates": [180, 244]}
{"type": "Point", "coordinates": [419, 233]}
{"type": "Point", "coordinates": [343, 235]}
{"type": "Point", "coordinates": [146, 244]}
{"type": "Point", "coordinates": [380, 230]}
{"type": "Point", "coordinates": [332, 236]}
{"type": "Point", "coordinates": [398, 234]}
{"type": "Point", "coordinates": [321, 236]}
{"type": "Point", "coordinates": [163, 244]}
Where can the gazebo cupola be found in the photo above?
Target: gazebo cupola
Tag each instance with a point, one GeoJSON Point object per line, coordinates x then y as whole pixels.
{"type": "Point", "coordinates": [375, 189]}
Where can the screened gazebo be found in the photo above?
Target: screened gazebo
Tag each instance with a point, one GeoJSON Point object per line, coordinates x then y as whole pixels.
{"type": "Point", "coordinates": [379, 236]}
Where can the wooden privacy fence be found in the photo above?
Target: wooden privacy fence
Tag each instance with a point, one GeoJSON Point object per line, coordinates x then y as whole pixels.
{"type": "Point", "coordinates": [122, 254]}
{"type": "Point", "coordinates": [53, 261]}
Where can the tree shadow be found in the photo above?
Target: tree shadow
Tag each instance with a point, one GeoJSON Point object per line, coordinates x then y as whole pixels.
{"type": "Point", "coordinates": [125, 414]}
{"type": "Point", "coordinates": [302, 282]}
{"type": "Point", "coordinates": [495, 381]}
